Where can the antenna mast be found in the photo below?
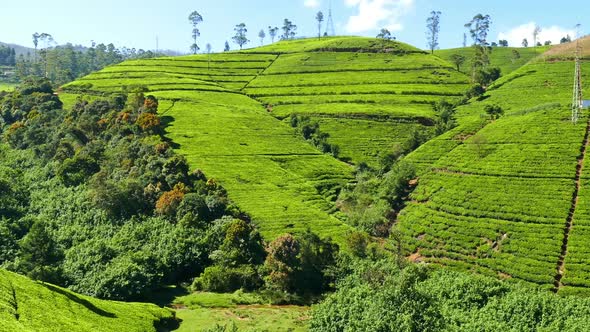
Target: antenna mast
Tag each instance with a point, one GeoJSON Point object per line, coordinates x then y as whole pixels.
{"type": "Point", "coordinates": [330, 31]}
{"type": "Point", "coordinates": [577, 95]}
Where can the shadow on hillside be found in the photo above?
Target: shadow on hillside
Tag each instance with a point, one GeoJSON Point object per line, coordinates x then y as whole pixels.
{"type": "Point", "coordinates": [168, 324]}
{"type": "Point", "coordinates": [166, 120]}
{"type": "Point", "coordinates": [79, 300]}
{"type": "Point", "coordinates": [164, 297]}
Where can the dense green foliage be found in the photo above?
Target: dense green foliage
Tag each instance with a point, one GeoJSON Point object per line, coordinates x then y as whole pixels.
{"type": "Point", "coordinates": [92, 200]}
{"type": "Point", "coordinates": [38, 307]}
{"type": "Point", "coordinates": [94, 197]}
{"type": "Point", "coordinates": [65, 63]}
{"type": "Point", "coordinates": [373, 203]}
{"type": "Point", "coordinates": [7, 56]}
{"type": "Point", "coordinates": [378, 296]}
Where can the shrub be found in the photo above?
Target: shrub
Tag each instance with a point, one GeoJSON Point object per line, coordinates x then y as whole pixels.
{"type": "Point", "coordinates": [170, 200]}
{"type": "Point", "coordinates": [74, 171]}
{"type": "Point", "coordinates": [282, 263]}
{"type": "Point", "coordinates": [476, 90]}
{"type": "Point", "coordinates": [494, 111]}
{"type": "Point", "coordinates": [223, 279]}
{"type": "Point", "coordinates": [148, 122]}
{"type": "Point", "coordinates": [242, 245]}
{"type": "Point", "coordinates": [357, 244]}
{"type": "Point", "coordinates": [150, 104]}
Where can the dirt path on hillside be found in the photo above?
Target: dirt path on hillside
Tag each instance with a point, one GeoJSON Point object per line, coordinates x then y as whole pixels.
{"type": "Point", "coordinates": [570, 218]}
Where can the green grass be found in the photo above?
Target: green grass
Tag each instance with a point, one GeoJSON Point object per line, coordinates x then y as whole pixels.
{"type": "Point", "coordinates": [44, 307]}
{"type": "Point", "coordinates": [218, 300]}
{"type": "Point", "coordinates": [246, 311]}
{"type": "Point", "coordinates": [246, 318]}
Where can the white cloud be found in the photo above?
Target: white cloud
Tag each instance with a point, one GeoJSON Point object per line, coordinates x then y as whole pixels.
{"type": "Point", "coordinates": [311, 3]}
{"type": "Point", "coordinates": [376, 14]}
{"type": "Point", "coordinates": [553, 33]}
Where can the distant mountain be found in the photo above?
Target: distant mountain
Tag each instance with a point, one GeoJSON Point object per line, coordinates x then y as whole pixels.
{"type": "Point", "coordinates": [19, 49]}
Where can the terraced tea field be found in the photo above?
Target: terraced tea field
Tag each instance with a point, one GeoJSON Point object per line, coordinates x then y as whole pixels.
{"type": "Point", "coordinates": [368, 102]}
{"type": "Point", "coordinates": [226, 113]}
{"type": "Point", "coordinates": [494, 197]}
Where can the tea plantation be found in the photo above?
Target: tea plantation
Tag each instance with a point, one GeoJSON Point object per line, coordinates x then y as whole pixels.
{"type": "Point", "coordinates": [494, 196]}
{"type": "Point", "coordinates": [26, 305]}
{"type": "Point", "coordinates": [225, 112]}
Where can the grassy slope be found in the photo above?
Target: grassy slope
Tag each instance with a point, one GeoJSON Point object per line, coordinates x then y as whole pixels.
{"type": "Point", "coordinates": [501, 57]}
{"type": "Point", "coordinates": [207, 310]}
{"type": "Point", "coordinates": [216, 109]}
{"type": "Point", "coordinates": [495, 200]}
{"type": "Point", "coordinates": [43, 307]}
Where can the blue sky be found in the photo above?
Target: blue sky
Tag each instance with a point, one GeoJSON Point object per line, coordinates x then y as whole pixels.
{"type": "Point", "coordinates": [136, 23]}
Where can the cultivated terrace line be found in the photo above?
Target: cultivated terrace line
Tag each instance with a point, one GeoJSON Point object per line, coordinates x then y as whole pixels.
{"type": "Point", "coordinates": [570, 218]}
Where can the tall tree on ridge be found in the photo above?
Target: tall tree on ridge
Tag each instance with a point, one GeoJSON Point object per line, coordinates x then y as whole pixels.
{"type": "Point", "coordinates": [47, 40]}
{"type": "Point", "coordinates": [384, 34]}
{"type": "Point", "coordinates": [320, 18]}
{"type": "Point", "coordinates": [432, 30]}
{"type": "Point", "coordinates": [272, 32]}
{"type": "Point", "coordinates": [240, 37]}
{"type": "Point", "coordinates": [36, 42]}
{"type": "Point", "coordinates": [479, 27]}
{"type": "Point", "coordinates": [261, 35]}
{"type": "Point", "coordinates": [195, 18]}
{"type": "Point", "coordinates": [289, 30]}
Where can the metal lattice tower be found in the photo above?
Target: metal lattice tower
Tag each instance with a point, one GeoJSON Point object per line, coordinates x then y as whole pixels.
{"type": "Point", "coordinates": [330, 31]}
{"type": "Point", "coordinates": [577, 95]}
